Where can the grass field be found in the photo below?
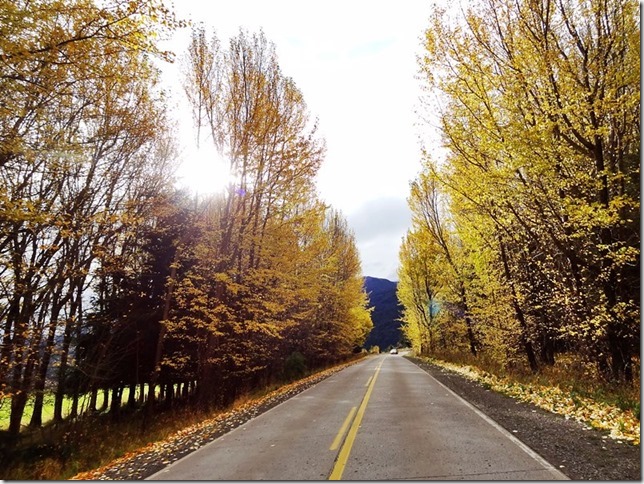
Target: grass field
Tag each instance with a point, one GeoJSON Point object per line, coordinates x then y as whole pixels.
{"type": "Point", "coordinates": [48, 407]}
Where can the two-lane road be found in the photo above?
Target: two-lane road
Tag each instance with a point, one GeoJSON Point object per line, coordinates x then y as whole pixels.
{"type": "Point", "coordinates": [381, 419]}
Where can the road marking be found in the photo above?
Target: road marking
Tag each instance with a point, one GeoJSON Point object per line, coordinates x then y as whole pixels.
{"type": "Point", "coordinates": [368, 381]}
{"type": "Point", "coordinates": [343, 429]}
{"type": "Point", "coordinates": [547, 465]}
{"type": "Point", "coordinates": [343, 456]}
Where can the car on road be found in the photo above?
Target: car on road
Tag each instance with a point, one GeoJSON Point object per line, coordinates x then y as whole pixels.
{"type": "Point", "coordinates": [394, 351]}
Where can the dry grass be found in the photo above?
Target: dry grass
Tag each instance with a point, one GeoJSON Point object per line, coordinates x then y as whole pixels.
{"type": "Point", "coordinates": [59, 453]}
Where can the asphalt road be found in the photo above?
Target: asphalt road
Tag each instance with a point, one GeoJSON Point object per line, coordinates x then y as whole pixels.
{"type": "Point", "coordinates": [381, 419]}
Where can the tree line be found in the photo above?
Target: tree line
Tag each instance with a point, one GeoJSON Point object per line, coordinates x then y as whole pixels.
{"type": "Point", "coordinates": [110, 278]}
{"type": "Point", "coordinates": [525, 238]}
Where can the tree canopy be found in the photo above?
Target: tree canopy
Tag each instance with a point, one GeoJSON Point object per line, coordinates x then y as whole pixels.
{"type": "Point", "coordinates": [527, 235]}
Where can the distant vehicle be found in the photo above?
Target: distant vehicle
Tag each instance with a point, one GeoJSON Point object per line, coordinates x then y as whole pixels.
{"type": "Point", "coordinates": [394, 351]}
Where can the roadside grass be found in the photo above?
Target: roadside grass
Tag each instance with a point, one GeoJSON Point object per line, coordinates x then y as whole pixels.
{"type": "Point", "coordinates": [60, 452]}
{"type": "Point", "coordinates": [567, 388]}
{"type": "Point", "coordinates": [48, 407]}
{"type": "Point", "coordinates": [76, 447]}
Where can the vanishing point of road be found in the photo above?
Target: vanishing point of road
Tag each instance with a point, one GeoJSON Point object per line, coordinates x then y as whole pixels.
{"type": "Point", "coordinates": [381, 419]}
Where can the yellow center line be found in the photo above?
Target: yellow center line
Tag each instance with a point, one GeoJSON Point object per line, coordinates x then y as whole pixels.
{"type": "Point", "coordinates": [343, 429]}
{"type": "Point", "coordinates": [343, 456]}
{"type": "Point", "coordinates": [368, 381]}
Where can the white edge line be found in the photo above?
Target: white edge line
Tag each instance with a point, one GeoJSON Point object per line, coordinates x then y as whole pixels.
{"type": "Point", "coordinates": [557, 473]}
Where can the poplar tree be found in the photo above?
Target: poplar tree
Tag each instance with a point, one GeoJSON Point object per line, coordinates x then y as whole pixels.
{"type": "Point", "coordinates": [264, 285]}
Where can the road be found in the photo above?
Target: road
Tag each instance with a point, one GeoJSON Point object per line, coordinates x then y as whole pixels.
{"type": "Point", "coordinates": [381, 419]}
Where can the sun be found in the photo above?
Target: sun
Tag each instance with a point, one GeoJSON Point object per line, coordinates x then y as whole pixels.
{"type": "Point", "coordinates": [204, 171]}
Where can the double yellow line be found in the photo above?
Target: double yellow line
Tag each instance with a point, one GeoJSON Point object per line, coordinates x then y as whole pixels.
{"type": "Point", "coordinates": [343, 456]}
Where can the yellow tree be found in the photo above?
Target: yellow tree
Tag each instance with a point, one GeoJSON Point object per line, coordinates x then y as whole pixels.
{"type": "Point", "coordinates": [430, 217]}
{"type": "Point", "coordinates": [417, 291]}
{"type": "Point", "coordinates": [283, 269]}
{"type": "Point", "coordinates": [540, 116]}
{"type": "Point", "coordinates": [73, 129]}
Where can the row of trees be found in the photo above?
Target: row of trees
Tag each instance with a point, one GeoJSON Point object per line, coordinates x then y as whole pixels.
{"type": "Point", "coordinates": [108, 276]}
{"type": "Point", "coordinates": [525, 240]}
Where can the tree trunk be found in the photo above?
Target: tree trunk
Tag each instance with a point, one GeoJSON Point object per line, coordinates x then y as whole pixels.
{"type": "Point", "coordinates": [74, 410]}
{"type": "Point", "coordinates": [141, 394]}
{"type": "Point", "coordinates": [18, 402]}
{"type": "Point", "coordinates": [92, 400]}
{"type": "Point", "coordinates": [131, 398]}
{"type": "Point", "coordinates": [518, 312]}
{"type": "Point", "coordinates": [62, 374]}
{"type": "Point", "coordinates": [41, 377]}
{"type": "Point", "coordinates": [115, 407]}
{"type": "Point", "coordinates": [468, 323]}
{"type": "Point", "coordinates": [547, 349]}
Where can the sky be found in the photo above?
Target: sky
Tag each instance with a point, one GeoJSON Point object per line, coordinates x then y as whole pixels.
{"type": "Point", "coordinates": [355, 63]}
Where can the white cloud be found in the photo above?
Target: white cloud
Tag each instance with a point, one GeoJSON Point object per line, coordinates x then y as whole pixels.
{"type": "Point", "coordinates": [379, 226]}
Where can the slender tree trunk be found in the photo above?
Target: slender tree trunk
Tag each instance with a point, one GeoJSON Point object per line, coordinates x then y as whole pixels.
{"type": "Point", "coordinates": [131, 398]}
{"type": "Point", "coordinates": [41, 377]}
{"type": "Point", "coordinates": [70, 327]}
{"type": "Point", "coordinates": [547, 349]}
{"type": "Point", "coordinates": [117, 393]}
{"type": "Point", "coordinates": [468, 323]}
{"type": "Point", "coordinates": [93, 398]}
{"type": "Point", "coordinates": [156, 373]}
{"type": "Point", "coordinates": [18, 403]}
{"type": "Point", "coordinates": [518, 312]}
{"type": "Point", "coordinates": [75, 395]}
{"type": "Point", "coordinates": [62, 373]}
{"type": "Point", "coordinates": [23, 371]}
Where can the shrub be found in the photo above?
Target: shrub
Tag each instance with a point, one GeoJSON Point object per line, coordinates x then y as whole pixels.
{"type": "Point", "coordinates": [295, 366]}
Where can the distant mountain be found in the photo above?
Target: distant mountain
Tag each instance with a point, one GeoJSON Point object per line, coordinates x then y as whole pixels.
{"type": "Point", "coordinates": [387, 310]}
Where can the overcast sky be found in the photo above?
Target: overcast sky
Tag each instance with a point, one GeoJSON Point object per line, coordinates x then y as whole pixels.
{"type": "Point", "coordinates": [355, 63]}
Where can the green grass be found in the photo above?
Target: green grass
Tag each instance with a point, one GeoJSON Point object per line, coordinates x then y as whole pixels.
{"type": "Point", "coordinates": [48, 407]}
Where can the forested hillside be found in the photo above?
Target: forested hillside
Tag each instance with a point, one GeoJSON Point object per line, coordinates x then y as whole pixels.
{"type": "Point", "coordinates": [123, 282]}
{"type": "Point", "coordinates": [525, 246]}
{"type": "Point", "coordinates": [385, 315]}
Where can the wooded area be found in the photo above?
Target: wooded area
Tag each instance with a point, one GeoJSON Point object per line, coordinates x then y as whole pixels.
{"type": "Point", "coordinates": [525, 241]}
{"type": "Point", "coordinates": [112, 279]}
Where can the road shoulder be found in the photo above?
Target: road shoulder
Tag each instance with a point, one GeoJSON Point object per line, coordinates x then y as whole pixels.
{"type": "Point", "coordinates": [577, 451]}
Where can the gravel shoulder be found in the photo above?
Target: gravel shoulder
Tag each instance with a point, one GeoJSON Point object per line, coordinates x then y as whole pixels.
{"type": "Point", "coordinates": [581, 453]}
{"type": "Point", "coordinates": [577, 451]}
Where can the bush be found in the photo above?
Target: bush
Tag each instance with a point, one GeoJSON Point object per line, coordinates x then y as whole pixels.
{"type": "Point", "coordinates": [295, 366]}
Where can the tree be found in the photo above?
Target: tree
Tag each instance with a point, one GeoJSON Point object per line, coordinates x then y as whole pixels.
{"type": "Point", "coordinates": [540, 115]}
{"type": "Point", "coordinates": [419, 290]}
{"type": "Point", "coordinates": [266, 282]}
{"type": "Point", "coordinates": [428, 213]}
{"type": "Point", "coordinates": [75, 138]}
